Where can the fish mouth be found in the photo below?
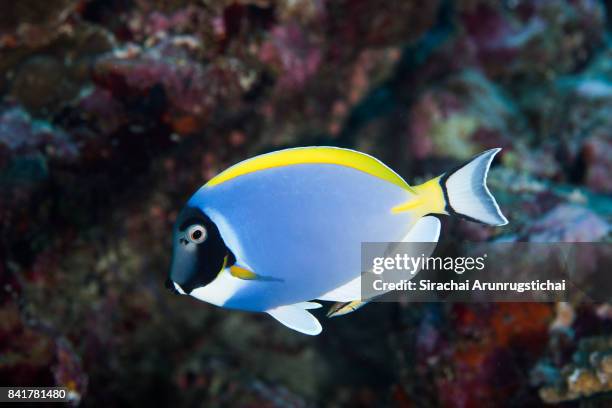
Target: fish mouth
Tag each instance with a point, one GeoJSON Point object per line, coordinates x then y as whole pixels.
{"type": "Point", "coordinates": [176, 288]}
{"type": "Point", "coordinates": [170, 285]}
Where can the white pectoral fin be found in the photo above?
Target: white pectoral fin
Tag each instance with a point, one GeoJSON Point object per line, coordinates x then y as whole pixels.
{"type": "Point", "coordinates": [296, 317]}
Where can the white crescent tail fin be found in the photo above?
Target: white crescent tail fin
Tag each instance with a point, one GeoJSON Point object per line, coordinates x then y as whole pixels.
{"type": "Point", "coordinates": [466, 192]}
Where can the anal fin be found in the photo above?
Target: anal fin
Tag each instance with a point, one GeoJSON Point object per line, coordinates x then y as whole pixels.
{"type": "Point", "coordinates": [342, 308]}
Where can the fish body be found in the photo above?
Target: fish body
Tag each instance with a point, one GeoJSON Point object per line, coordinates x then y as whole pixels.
{"type": "Point", "coordinates": [308, 235]}
{"type": "Point", "coordinates": [286, 228]}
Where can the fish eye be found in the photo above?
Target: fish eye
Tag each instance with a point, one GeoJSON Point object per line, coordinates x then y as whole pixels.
{"type": "Point", "coordinates": [196, 234]}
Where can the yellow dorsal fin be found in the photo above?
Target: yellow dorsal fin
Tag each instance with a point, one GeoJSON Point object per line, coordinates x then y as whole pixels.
{"type": "Point", "coordinates": [312, 155]}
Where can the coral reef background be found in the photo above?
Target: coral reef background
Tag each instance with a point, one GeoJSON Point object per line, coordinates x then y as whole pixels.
{"type": "Point", "coordinates": [112, 112]}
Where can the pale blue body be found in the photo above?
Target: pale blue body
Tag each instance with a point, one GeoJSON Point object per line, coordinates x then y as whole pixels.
{"type": "Point", "coordinates": [303, 224]}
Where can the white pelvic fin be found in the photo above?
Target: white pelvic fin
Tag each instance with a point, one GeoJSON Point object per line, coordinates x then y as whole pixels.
{"type": "Point", "coordinates": [309, 305]}
{"type": "Point", "coordinates": [296, 317]}
{"type": "Point", "coordinates": [345, 293]}
{"type": "Point", "coordinates": [467, 193]}
{"type": "Point", "coordinates": [427, 229]}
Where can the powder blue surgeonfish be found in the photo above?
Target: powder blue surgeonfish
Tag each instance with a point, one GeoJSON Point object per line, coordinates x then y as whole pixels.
{"type": "Point", "coordinates": [278, 231]}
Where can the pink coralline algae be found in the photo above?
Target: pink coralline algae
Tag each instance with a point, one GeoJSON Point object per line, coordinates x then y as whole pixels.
{"type": "Point", "coordinates": [569, 223]}
{"type": "Point", "coordinates": [22, 136]}
{"type": "Point", "coordinates": [530, 37]}
{"type": "Point", "coordinates": [572, 368]}
{"type": "Point", "coordinates": [597, 156]}
{"type": "Point", "coordinates": [465, 116]}
{"type": "Point", "coordinates": [33, 23]}
{"type": "Point", "coordinates": [298, 58]}
{"type": "Point", "coordinates": [188, 93]}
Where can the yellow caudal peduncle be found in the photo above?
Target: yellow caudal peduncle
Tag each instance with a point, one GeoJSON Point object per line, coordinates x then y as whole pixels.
{"type": "Point", "coordinates": [429, 199]}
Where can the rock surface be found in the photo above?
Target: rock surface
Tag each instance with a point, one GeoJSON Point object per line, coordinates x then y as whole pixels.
{"type": "Point", "coordinates": [113, 112]}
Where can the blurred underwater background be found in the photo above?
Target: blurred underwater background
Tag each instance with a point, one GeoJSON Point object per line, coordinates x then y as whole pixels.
{"type": "Point", "coordinates": [113, 112]}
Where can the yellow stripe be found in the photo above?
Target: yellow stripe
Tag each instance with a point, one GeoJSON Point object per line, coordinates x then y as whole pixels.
{"type": "Point", "coordinates": [224, 264]}
{"type": "Point", "coordinates": [312, 155]}
{"type": "Point", "coordinates": [242, 273]}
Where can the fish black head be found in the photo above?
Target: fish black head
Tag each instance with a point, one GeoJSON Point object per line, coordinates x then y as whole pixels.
{"type": "Point", "coordinates": [199, 252]}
